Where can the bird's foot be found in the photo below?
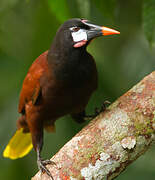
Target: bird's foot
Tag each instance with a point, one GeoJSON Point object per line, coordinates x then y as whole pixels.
{"type": "Point", "coordinates": [42, 166]}
{"type": "Point", "coordinates": [103, 107]}
{"type": "Point", "coordinates": [98, 110]}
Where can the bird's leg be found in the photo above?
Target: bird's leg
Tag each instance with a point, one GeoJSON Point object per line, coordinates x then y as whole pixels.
{"type": "Point", "coordinates": [82, 117]}
{"type": "Point", "coordinates": [36, 129]}
{"type": "Point", "coordinates": [38, 144]}
{"type": "Point", "coordinates": [79, 117]}
{"type": "Point", "coordinates": [42, 164]}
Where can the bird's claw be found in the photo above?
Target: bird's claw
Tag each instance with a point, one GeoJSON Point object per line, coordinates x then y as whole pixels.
{"type": "Point", "coordinates": [42, 166]}
{"type": "Point", "coordinates": [98, 110]}
{"type": "Point", "coordinates": [103, 108]}
{"type": "Point", "coordinates": [47, 161]}
{"type": "Point", "coordinates": [105, 103]}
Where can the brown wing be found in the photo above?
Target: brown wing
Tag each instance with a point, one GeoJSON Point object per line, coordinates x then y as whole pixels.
{"type": "Point", "coordinates": [31, 86]}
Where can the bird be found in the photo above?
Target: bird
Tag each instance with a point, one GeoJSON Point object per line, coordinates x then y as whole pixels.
{"type": "Point", "coordinates": [59, 82]}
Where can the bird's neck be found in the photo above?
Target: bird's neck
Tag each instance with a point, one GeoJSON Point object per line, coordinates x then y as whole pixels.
{"type": "Point", "coordinates": [64, 54]}
{"type": "Point", "coordinates": [66, 60]}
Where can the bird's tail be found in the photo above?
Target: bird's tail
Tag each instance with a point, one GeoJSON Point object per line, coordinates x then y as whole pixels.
{"type": "Point", "coordinates": [19, 145]}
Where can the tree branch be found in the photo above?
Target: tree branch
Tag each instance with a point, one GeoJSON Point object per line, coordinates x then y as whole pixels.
{"type": "Point", "coordinates": [113, 140]}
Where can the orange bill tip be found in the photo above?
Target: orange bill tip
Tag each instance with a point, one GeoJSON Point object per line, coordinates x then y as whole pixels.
{"type": "Point", "coordinates": [108, 31]}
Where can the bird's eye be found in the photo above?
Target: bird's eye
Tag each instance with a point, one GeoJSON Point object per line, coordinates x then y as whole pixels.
{"type": "Point", "coordinates": [75, 29]}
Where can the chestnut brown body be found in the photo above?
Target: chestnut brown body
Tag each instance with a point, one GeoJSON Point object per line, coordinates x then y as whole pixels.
{"type": "Point", "coordinates": [59, 82]}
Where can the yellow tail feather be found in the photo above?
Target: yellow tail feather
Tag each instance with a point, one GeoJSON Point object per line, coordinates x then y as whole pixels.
{"type": "Point", "coordinates": [19, 145]}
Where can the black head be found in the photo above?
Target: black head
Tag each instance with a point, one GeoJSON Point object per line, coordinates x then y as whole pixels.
{"type": "Point", "coordinates": [76, 33]}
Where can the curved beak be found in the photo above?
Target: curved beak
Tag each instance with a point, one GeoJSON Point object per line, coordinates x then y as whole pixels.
{"type": "Point", "coordinates": [96, 31]}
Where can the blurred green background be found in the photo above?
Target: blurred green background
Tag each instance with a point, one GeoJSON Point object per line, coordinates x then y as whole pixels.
{"type": "Point", "coordinates": [27, 28]}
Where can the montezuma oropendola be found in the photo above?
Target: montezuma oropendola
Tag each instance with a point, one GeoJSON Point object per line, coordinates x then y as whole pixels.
{"type": "Point", "coordinates": [59, 82]}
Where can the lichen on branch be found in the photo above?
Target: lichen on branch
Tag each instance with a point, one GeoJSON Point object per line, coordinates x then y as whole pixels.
{"type": "Point", "coordinates": [113, 140]}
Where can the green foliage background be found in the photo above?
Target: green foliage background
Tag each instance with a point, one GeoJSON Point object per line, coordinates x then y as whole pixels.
{"type": "Point", "coordinates": [27, 28]}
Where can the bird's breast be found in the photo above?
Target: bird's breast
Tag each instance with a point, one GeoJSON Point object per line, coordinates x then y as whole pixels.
{"type": "Point", "coordinates": [76, 73]}
{"type": "Point", "coordinates": [69, 87]}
